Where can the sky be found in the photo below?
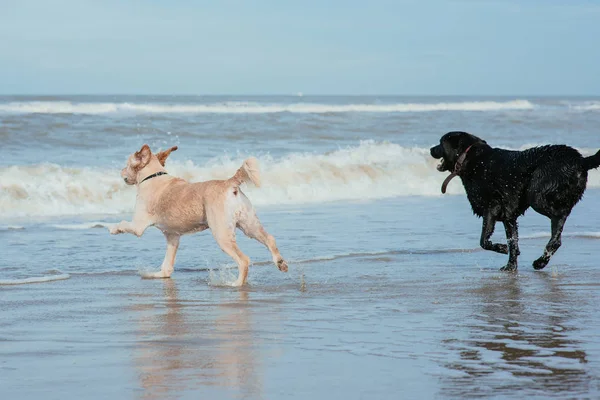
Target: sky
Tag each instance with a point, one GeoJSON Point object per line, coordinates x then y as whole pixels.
{"type": "Point", "coordinates": [403, 47]}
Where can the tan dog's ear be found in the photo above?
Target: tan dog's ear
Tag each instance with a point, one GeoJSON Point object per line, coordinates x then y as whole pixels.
{"type": "Point", "coordinates": [143, 155]}
{"type": "Point", "coordinates": [162, 156]}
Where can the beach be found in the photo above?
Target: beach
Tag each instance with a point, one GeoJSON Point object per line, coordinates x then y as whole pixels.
{"type": "Point", "coordinates": [388, 293]}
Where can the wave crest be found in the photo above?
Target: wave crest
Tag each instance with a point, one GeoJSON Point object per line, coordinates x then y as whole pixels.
{"type": "Point", "coordinates": [369, 171]}
{"type": "Point", "coordinates": [587, 106]}
{"type": "Point", "coordinates": [243, 107]}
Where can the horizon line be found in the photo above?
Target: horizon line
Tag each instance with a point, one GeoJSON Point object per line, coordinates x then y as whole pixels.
{"type": "Point", "coordinates": [299, 94]}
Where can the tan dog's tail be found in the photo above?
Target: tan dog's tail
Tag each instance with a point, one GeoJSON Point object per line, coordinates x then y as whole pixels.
{"type": "Point", "coordinates": [248, 172]}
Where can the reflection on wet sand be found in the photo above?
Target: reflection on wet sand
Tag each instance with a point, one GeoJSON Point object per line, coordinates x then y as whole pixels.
{"type": "Point", "coordinates": [519, 339]}
{"type": "Point", "coordinates": [196, 347]}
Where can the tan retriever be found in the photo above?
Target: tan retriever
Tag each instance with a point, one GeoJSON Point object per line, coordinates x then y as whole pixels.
{"type": "Point", "coordinates": [178, 207]}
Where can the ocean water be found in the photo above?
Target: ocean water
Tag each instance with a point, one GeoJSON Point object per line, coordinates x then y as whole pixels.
{"type": "Point", "coordinates": [388, 294]}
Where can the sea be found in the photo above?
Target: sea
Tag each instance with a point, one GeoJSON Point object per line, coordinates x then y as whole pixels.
{"type": "Point", "coordinates": [388, 295]}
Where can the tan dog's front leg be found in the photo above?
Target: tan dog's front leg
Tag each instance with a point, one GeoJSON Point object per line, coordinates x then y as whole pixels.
{"type": "Point", "coordinates": [168, 264]}
{"type": "Point", "coordinates": [136, 228]}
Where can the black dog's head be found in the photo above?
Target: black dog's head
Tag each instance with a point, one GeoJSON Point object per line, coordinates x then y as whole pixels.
{"type": "Point", "coordinates": [451, 146]}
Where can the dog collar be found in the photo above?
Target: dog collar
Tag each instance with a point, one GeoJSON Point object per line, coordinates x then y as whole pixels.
{"type": "Point", "coordinates": [153, 176]}
{"type": "Point", "coordinates": [457, 169]}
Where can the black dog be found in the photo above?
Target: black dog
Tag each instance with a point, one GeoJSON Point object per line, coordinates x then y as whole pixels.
{"type": "Point", "coordinates": [502, 184]}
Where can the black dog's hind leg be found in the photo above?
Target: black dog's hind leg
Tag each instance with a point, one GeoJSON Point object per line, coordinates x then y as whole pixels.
{"type": "Point", "coordinates": [486, 233]}
{"type": "Point", "coordinates": [553, 244]}
{"type": "Point", "coordinates": [512, 237]}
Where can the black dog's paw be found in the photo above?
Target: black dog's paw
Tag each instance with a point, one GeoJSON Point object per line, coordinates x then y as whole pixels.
{"type": "Point", "coordinates": [509, 268]}
{"type": "Point", "coordinates": [540, 263]}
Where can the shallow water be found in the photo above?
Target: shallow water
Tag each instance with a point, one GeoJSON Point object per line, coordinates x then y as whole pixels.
{"type": "Point", "coordinates": [403, 309]}
{"type": "Point", "coordinates": [388, 293]}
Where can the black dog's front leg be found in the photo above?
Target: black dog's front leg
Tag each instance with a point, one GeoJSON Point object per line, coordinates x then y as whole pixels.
{"type": "Point", "coordinates": [487, 230]}
{"type": "Point", "coordinates": [512, 237]}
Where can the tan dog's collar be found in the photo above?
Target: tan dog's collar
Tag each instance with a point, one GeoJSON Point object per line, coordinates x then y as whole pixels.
{"type": "Point", "coordinates": [457, 169]}
{"type": "Point", "coordinates": [153, 176]}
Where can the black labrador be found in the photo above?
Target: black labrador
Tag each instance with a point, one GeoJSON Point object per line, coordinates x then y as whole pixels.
{"type": "Point", "coordinates": [502, 184]}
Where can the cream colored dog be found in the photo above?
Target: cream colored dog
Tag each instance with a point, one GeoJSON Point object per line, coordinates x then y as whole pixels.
{"type": "Point", "coordinates": [178, 207]}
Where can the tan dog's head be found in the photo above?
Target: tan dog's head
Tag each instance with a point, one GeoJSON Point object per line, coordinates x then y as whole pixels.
{"type": "Point", "coordinates": [140, 159]}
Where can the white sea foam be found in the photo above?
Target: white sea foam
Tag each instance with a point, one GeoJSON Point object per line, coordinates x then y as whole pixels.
{"type": "Point", "coordinates": [50, 190]}
{"type": "Point", "coordinates": [535, 235]}
{"type": "Point", "coordinates": [544, 235]}
{"type": "Point", "coordinates": [96, 272]}
{"type": "Point", "coordinates": [82, 226]}
{"type": "Point", "coordinates": [587, 106]}
{"type": "Point", "coordinates": [35, 279]}
{"type": "Point", "coordinates": [587, 235]}
{"type": "Point", "coordinates": [225, 275]}
{"type": "Point", "coordinates": [369, 171]}
{"type": "Point", "coordinates": [241, 107]}
{"type": "Point", "coordinates": [11, 228]}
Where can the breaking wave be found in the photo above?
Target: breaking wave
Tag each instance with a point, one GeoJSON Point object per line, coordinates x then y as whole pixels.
{"type": "Point", "coordinates": [587, 106]}
{"type": "Point", "coordinates": [370, 170]}
{"type": "Point", "coordinates": [243, 107]}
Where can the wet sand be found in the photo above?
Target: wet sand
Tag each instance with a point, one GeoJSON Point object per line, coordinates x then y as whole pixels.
{"type": "Point", "coordinates": [433, 331]}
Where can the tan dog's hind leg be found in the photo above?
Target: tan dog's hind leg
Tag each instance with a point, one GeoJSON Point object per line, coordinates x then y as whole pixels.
{"type": "Point", "coordinates": [252, 228]}
{"type": "Point", "coordinates": [168, 264]}
{"type": "Point", "coordinates": [223, 230]}
{"type": "Point", "coordinates": [226, 240]}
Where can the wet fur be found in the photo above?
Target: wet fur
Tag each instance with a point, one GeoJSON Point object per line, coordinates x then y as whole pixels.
{"type": "Point", "coordinates": [502, 184]}
{"type": "Point", "coordinates": [178, 207]}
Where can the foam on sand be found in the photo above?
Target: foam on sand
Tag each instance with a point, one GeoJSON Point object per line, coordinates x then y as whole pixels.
{"type": "Point", "coordinates": [35, 279]}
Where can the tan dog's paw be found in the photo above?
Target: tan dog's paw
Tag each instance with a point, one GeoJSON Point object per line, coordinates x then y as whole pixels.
{"type": "Point", "coordinates": [282, 265]}
{"type": "Point", "coordinates": [238, 283]}
{"type": "Point", "coordinates": [153, 275]}
{"type": "Point", "coordinates": [114, 229]}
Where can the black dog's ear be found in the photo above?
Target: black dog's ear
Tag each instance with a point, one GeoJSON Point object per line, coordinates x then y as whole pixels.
{"type": "Point", "coordinates": [456, 139]}
{"type": "Point", "coordinates": [466, 140]}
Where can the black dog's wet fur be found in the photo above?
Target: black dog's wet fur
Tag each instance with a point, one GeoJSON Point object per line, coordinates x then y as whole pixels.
{"type": "Point", "coordinates": [502, 184]}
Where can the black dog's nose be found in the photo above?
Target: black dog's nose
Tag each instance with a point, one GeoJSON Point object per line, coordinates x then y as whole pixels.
{"type": "Point", "coordinates": [436, 151]}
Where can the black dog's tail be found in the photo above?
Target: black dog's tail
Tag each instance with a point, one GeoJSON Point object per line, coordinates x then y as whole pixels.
{"type": "Point", "coordinates": [592, 162]}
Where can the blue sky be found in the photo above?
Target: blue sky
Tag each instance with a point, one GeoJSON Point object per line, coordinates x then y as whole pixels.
{"type": "Point", "coordinates": [436, 47]}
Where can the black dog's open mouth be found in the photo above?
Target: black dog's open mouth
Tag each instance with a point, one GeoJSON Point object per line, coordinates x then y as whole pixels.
{"type": "Point", "coordinates": [442, 165]}
{"type": "Point", "coordinates": [438, 153]}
